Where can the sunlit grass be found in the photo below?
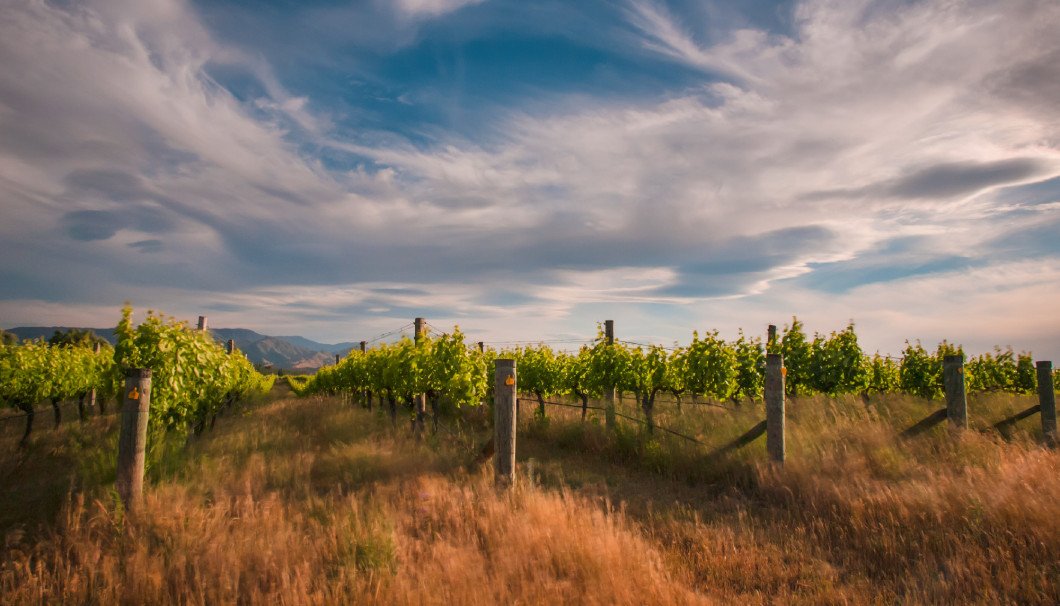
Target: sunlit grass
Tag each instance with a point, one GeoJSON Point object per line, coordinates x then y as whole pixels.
{"type": "Point", "coordinates": [318, 501]}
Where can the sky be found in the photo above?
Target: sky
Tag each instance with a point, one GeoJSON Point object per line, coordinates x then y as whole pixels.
{"type": "Point", "coordinates": [527, 169]}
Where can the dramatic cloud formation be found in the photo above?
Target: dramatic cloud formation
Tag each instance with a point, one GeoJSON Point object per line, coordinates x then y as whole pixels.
{"type": "Point", "coordinates": [529, 171]}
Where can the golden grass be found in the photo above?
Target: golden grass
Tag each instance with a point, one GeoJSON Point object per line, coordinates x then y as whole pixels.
{"type": "Point", "coordinates": [316, 502]}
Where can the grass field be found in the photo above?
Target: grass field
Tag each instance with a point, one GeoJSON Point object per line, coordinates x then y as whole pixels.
{"type": "Point", "coordinates": [315, 501]}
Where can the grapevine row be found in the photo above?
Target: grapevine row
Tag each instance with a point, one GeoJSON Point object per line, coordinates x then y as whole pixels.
{"type": "Point", "coordinates": [193, 377]}
{"type": "Point", "coordinates": [708, 367]}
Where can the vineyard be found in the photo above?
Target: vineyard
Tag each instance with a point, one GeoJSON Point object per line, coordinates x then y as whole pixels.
{"type": "Point", "coordinates": [635, 482]}
{"type": "Point", "coordinates": [194, 377]}
{"type": "Point", "coordinates": [446, 369]}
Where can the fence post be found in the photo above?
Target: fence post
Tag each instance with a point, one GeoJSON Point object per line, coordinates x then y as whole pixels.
{"type": "Point", "coordinates": [504, 396]}
{"type": "Point", "coordinates": [609, 391]}
{"type": "Point", "coordinates": [132, 441]}
{"type": "Point", "coordinates": [337, 358]}
{"type": "Point", "coordinates": [231, 346]}
{"type": "Point", "coordinates": [364, 390]}
{"type": "Point", "coordinates": [1047, 400]}
{"type": "Point", "coordinates": [774, 397]}
{"type": "Point", "coordinates": [771, 337]}
{"type": "Point", "coordinates": [202, 322]}
{"type": "Point", "coordinates": [92, 392]}
{"type": "Point", "coordinates": [956, 399]}
{"type": "Point", "coordinates": [420, 399]}
{"type": "Point", "coordinates": [481, 347]}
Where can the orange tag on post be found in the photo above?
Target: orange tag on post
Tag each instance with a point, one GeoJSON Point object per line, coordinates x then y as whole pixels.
{"type": "Point", "coordinates": [784, 370]}
{"type": "Point", "coordinates": [510, 380]}
{"type": "Point", "coordinates": [134, 394]}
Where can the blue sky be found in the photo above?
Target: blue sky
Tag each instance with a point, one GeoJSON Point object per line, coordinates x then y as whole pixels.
{"type": "Point", "coordinates": [527, 169]}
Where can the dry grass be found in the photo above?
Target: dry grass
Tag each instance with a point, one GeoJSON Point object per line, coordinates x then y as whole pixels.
{"type": "Point", "coordinates": [315, 502]}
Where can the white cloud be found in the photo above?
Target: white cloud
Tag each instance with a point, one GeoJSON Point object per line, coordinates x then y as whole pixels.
{"type": "Point", "coordinates": [597, 203]}
{"type": "Point", "coordinates": [431, 8]}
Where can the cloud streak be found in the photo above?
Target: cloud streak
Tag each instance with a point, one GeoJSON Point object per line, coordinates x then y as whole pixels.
{"type": "Point", "coordinates": [128, 164]}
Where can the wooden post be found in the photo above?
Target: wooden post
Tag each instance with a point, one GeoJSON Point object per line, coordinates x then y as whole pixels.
{"type": "Point", "coordinates": [1047, 401]}
{"type": "Point", "coordinates": [482, 347]}
{"type": "Point", "coordinates": [771, 337]}
{"type": "Point", "coordinates": [365, 398]}
{"type": "Point", "coordinates": [337, 358]}
{"type": "Point", "coordinates": [609, 391]}
{"type": "Point", "coordinates": [774, 398]}
{"type": "Point", "coordinates": [956, 399]}
{"type": "Point", "coordinates": [92, 392]}
{"type": "Point", "coordinates": [231, 346]}
{"type": "Point", "coordinates": [202, 322]}
{"type": "Point", "coordinates": [420, 400]}
{"type": "Point", "coordinates": [132, 441]}
{"type": "Point", "coordinates": [504, 397]}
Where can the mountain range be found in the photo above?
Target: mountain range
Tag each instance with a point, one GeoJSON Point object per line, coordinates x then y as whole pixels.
{"type": "Point", "coordinates": [295, 353]}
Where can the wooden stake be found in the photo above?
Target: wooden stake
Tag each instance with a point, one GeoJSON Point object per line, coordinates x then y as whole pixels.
{"type": "Point", "coordinates": [420, 400]}
{"type": "Point", "coordinates": [132, 441]}
{"type": "Point", "coordinates": [231, 346]}
{"type": "Point", "coordinates": [774, 397]}
{"type": "Point", "coordinates": [365, 397]}
{"type": "Point", "coordinates": [92, 392]}
{"type": "Point", "coordinates": [202, 322]}
{"type": "Point", "coordinates": [504, 397]}
{"type": "Point", "coordinates": [609, 391]}
{"type": "Point", "coordinates": [956, 399]}
{"type": "Point", "coordinates": [1047, 400]}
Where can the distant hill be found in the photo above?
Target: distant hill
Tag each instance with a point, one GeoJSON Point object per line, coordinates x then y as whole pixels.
{"type": "Point", "coordinates": [339, 348]}
{"type": "Point", "coordinates": [32, 333]}
{"type": "Point", "coordinates": [280, 352]}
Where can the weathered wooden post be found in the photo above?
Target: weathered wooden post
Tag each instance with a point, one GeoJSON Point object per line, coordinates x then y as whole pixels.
{"type": "Point", "coordinates": [202, 322]}
{"type": "Point", "coordinates": [420, 400]}
{"type": "Point", "coordinates": [504, 397]}
{"type": "Point", "coordinates": [132, 441]}
{"type": "Point", "coordinates": [482, 347]}
{"type": "Point", "coordinates": [365, 396]}
{"type": "Point", "coordinates": [771, 338]}
{"type": "Point", "coordinates": [774, 397]}
{"type": "Point", "coordinates": [92, 392]}
{"type": "Point", "coordinates": [95, 399]}
{"type": "Point", "coordinates": [337, 358]}
{"type": "Point", "coordinates": [1047, 401]}
{"type": "Point", "coordinates": [231, 346]}
{"type": "Point", "coordinates": [609, 391]}
{"type": "Point", "coordinates": [956, 399]}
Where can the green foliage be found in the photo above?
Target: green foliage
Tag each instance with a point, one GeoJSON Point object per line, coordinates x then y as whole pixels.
{"type": "Point", "coordinates": [443, 367]}
{"type": "Point", "coordinates": [884, 374]}
{"type": "Point", "coordinates": [837, 364]}
{"type": "Point", "coordinates": [7, 338]}
{"type": "Point", "coordinates": [750, 366]}
{"type": "Point", "coordinates": [33, 372]}
{"type": "Point", "coordinates": [797, 352]}
{"type": "Point", "coordinates": [1002, 371]}
{"type": "Point", "coordinates": [193, 377]}
{"type": "Point", "coordinates": [917, 372]}
{"type": "Point", "coordinates": [710, 366]}
{"type": "Point", "coordinates": [76, 337]}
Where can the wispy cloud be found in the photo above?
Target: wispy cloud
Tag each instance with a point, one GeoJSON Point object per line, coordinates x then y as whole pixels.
{"type": "Point", "coordinates": [793, 156]}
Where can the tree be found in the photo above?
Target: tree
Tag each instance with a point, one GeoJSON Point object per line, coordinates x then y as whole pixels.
{"type": "Point", "coordinates": [76, 337]}
{"type": "Point", "coordinates": [7, 338]}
